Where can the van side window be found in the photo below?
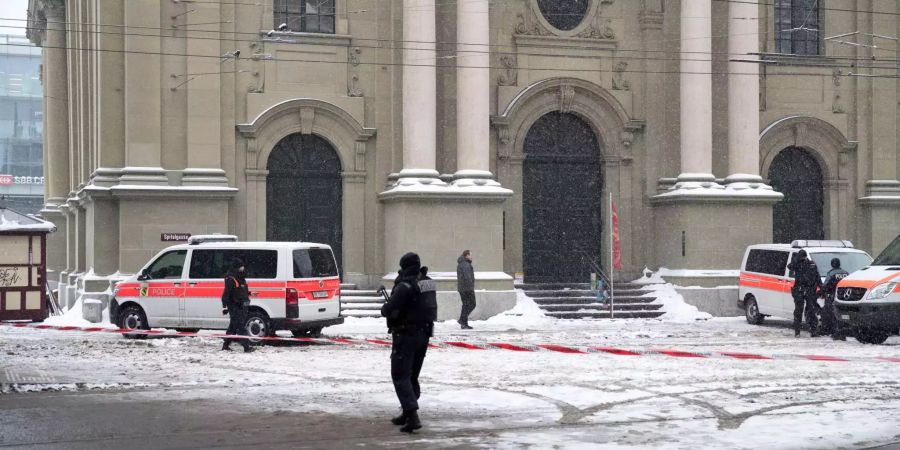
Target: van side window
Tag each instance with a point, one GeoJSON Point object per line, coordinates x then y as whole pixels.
{"type": "Point", "coordinates": [314, 263]}
{"type": "Point", "coordinates": [769, 262]}
{"type": "Point", "coordinates": [213, 263]}
{"type": "Point", "coordinates": [169, 265]}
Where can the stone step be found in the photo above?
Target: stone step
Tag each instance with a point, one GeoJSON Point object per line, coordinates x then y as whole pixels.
{"type": "Point", "coordinates": [600, 308]}
{"type": "Point", "coordinates": [361, 306]}
{"type": "Point", "coordinates": [573, 286]}
{"type": "Point", "coordinates": [587, 300]}
{"type": "Point", "coordinates": [605, 315]}
{"type": "Point", "coordinates": [582, 293]}
{"type": "Point", "coordinates": [360, 313]}
{"type": "Point", "coordinates": [359, 293]}
{"type": "Point", "coordinates": [348, 286]}
{"type": "Point", "coordinates": [378, 299]}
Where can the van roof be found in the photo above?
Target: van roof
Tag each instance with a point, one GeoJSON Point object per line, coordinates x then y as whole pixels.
{"type": "Point", "coordinates": [262, 245]}
{"type": "Point", "coordinates": [788, 247]}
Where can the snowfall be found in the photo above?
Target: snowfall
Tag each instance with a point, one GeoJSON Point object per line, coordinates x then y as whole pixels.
{"type": "Point", "coordinates": [507, 399]}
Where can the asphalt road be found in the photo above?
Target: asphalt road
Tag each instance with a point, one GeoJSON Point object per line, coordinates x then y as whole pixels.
{"type": "Point", "coordinates": [182, 418]}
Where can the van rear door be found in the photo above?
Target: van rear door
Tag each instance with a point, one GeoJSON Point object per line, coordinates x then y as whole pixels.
{"type": "Point", "coordinates": [318, 283]}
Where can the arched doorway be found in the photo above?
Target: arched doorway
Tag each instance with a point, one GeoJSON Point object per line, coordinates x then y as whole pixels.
{"type": "Point", "coordinates": [303, 192]}
{"type": "Point", "coordinates": [561, 200]}
{"type": "Point", "coordinates": [796, 174]}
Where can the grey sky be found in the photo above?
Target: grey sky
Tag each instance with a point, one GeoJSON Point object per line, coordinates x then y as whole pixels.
{"type": "Point", "coordinates": [13, 9]}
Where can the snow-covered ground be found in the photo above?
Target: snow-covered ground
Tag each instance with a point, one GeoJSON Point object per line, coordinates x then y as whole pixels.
{"type": "Point", "coordinates": [502, 399]}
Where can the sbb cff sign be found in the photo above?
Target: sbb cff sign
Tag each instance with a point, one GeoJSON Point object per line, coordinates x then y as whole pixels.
{"type": "Point", "coordinates": [9, 180]}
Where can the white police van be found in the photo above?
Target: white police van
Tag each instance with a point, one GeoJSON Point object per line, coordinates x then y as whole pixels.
{"type": "Point", "coordinates": [765, 281]}
{"type": "Point", "coordinates": [293, 286]}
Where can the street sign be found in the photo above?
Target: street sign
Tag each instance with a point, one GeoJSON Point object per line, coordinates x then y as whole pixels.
{"type": "Point", "coordinates": [175, 237]}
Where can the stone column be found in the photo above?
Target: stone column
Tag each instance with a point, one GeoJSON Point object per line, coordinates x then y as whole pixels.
{"type": "Point", "coordinates": [56, 116]}
{"type": "Point", "coordinates": [419, 90]}
{"type": "Point", "coordinates": [743, 95]}
{"type": "Point", "coordinates": [473, 92]}
{"type": "Point", "coordinates": [696, 95]}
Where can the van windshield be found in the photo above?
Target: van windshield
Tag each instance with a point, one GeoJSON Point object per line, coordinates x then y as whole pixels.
{"type": "Point", "coordinates": [314, 263]}
{"type": "Point", "coordinates": [890, 256]}
{"type": "Point", "coordinates": [851, 262]}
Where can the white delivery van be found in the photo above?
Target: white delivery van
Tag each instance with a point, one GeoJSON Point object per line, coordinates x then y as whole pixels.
{"type": "Point", "coordinates": [869, 300]}
{"type": "Point", "coordinates": [765, 282]}
{"type": "Point", "coordinates": [293, 286]}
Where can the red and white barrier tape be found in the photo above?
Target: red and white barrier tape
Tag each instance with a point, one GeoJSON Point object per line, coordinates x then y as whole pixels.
{"type": "Point", "coordinates": [556, 348]}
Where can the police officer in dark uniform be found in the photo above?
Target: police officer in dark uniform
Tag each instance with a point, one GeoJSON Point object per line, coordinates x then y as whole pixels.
{"type": "Point", "coordinates": [829, 319]}
{"type": "Point", "coordinates": [805, 292]}
{"type": "Point", "coordinates": [410, 311]}
{"type": "Point", "coordinates": [236, 303]}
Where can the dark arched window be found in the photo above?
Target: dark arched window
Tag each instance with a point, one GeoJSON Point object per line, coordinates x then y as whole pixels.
{"type": "Point", "coordinates": [564, 14]}
{"type": "Point", "coordinates": [797, 27]}
{"type": "Point", "coordinates": [307, 16]}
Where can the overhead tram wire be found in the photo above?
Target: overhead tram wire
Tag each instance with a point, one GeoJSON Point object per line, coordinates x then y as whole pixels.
{"type": "Point", "coordinates": [376, 63]}
{"type": "Point", "coordinates": [451, 4]}
{"type": "Point", "coordinates": [289, 35]}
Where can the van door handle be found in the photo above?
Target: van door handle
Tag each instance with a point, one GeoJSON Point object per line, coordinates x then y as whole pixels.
{"type": "Point", "coordinates": [192, 284]}
{"type": "Point", "coordinates": [254, 294]}
{"type": "Point", "coordinates": [176, 284]}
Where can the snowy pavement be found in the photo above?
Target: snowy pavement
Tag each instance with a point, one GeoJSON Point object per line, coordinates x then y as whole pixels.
{"type": "Point", "coordinates": [342, 396]}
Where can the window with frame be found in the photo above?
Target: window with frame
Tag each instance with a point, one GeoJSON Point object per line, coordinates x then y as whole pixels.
{"type": "Point", "coordinates": [305, 16]}
{"type": "Point", "coordinates": [214, 263]}
{"type": "Point", "coordinates": [797, 27]}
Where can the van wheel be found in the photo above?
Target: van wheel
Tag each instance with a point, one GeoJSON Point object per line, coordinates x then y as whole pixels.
{"type": "Point", "coordinates": [751, 309]}
{"type": "Point", "coordinates": [309, 332]}
{"type": "Point", "coordinates": [132, 317]}
{"type": "Point", "coordinates": [871, 335]}
{"type": "Point", "coordinates": [258, 326]}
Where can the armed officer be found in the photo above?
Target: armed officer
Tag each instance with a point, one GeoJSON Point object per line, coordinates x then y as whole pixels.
{"type": "Point", "coordinates": [236, 303]}
{"type": "Point", "coordinates": [829, 319]}
{"type": "Point", "coordinates": [805, 292]}
{"type": "Point", "coordinates": [410, 311]}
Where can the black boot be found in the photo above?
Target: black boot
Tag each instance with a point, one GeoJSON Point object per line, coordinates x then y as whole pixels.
{"type": "Point", "coordinates": [226, 346]}
{"type": "Point", "coordinates": [412, 422]}
{"type": "Point", "coordinates": [399, 420]}
{"type": "Point", "coordinates": [249, 349]}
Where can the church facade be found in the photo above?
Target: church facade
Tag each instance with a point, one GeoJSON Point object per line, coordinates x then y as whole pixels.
{"type": "Point", "coordinates": [504, 127]}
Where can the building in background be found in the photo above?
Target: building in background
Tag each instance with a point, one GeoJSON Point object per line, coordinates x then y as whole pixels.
{"type": "Point", "coordinates": [21, 125]}
{"type": "Point", "coordinates": [499, 126]}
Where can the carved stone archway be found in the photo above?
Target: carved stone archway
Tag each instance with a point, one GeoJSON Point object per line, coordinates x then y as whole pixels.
{"type": "Point", "coordinates": [616, 133]}
{"type": "Point", "coordinates": [832, 151]}
{"type": "Point", "coordinates": [348, 137]}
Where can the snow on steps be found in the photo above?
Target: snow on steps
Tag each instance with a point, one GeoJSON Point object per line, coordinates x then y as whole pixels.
{"type": "Point", "coordinates": [577, 301]}
{"type": "Point", "coordinates": [360, 303]}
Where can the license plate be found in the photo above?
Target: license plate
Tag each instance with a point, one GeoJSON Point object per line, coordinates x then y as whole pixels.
{"type": "Point", "coordinates": [845, 316]}
{"type": "Point", "coordinates": [320, 294]}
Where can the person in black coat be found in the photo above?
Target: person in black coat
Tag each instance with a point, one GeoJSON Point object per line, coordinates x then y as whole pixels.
{"type": "Point", "coordinates": [236, 303]}
{"type": "Point", "coordinates": [465, 285]}
{"type": "Point", "coordinates": [829, 318]}
{"type": "Point", "coordinates": [410, 312]}
{"type": "Point", "coordinates": [805, 292]}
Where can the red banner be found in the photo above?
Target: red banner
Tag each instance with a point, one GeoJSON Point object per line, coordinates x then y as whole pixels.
{"type": "Point", "coordinates": [617, 246]}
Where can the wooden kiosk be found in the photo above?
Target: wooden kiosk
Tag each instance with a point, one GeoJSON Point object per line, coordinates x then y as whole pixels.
{"type": "Point", "coordinates": [23, 266]}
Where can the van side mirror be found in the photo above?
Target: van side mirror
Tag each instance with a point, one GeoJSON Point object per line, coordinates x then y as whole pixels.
{"type": "Point", "coordinates": [145, 275]}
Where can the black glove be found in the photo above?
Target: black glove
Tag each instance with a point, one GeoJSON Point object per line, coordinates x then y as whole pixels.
{"type": "Point", "coordinates": [224, 311]}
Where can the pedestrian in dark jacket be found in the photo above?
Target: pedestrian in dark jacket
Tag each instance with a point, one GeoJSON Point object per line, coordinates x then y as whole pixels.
{"type": "Point", "coordinates": [236, 303]}
{"type": "Point", "coordinates": [465, 285]}
{"type": "Point", "coordinates": [829, 318]}
{"type": "Point", "coordinates": [410, 314]}
{"type": "Point", "coordinates": [805, 292]}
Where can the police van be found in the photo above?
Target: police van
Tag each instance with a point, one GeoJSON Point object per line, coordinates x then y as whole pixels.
{"type": "Point", "coordinates": [765, 281]}
{"type": "Point", "coordinates": [869, 300]}
{"type": "Point", "coordinates": [293, 286]}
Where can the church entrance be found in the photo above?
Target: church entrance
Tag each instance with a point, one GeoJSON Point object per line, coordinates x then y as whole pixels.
{"type": "Point", "coordinates": [797, 175]}
{"type": "Point", "coordinates": [562, 200]}
{"type": "Point", "coordinates": [303, 192]}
